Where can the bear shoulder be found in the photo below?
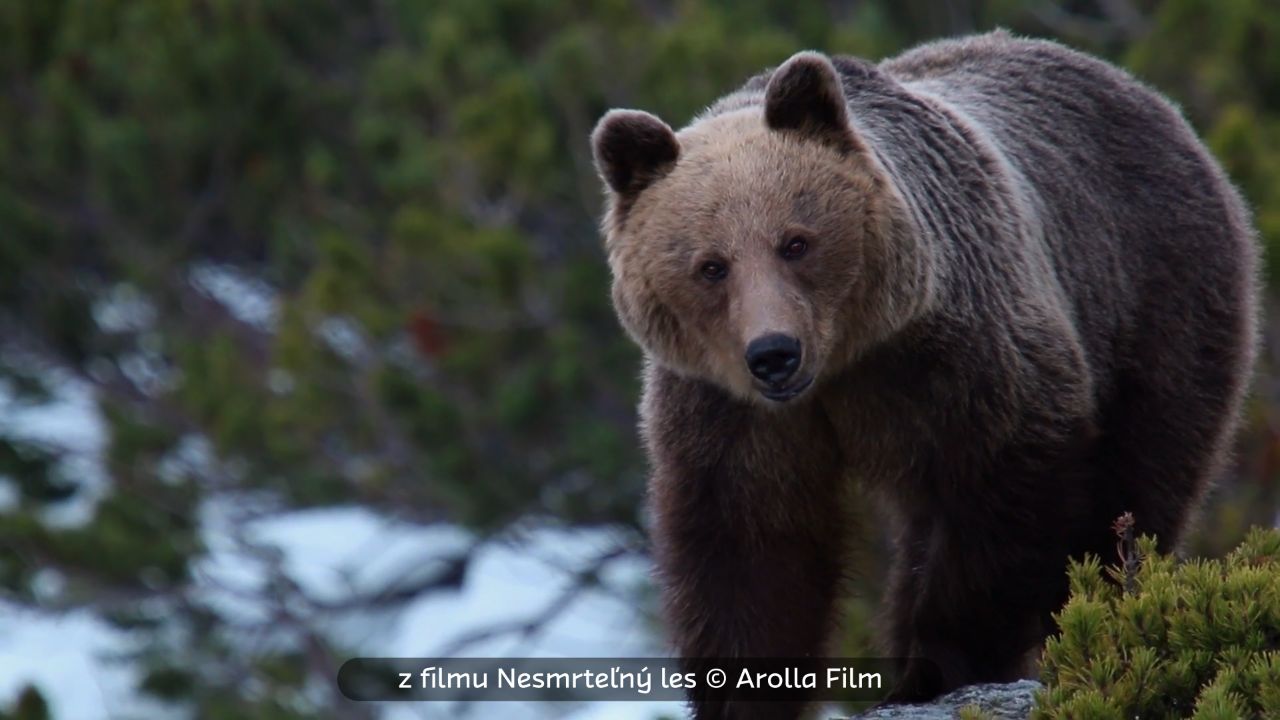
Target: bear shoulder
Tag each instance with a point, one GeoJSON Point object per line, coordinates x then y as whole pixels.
{"type": "Point", "coordinates": [1007, 59]}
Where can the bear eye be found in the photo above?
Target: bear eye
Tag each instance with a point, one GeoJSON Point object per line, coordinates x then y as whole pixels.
{"type": "Point", "coordinates": [794, 247]}
{"type": "Point", "coordinates": [713, 270]}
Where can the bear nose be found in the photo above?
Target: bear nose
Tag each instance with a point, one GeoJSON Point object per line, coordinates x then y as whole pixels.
{"type": "Point", "coordinates": [773, 358]}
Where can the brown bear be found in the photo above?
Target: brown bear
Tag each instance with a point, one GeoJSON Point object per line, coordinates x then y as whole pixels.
{"type": "Point", "coordinates": [996, 281]}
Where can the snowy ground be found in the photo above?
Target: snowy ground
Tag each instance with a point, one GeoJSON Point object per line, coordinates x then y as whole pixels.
{"type": "Point", "coordinates": [330, 552]}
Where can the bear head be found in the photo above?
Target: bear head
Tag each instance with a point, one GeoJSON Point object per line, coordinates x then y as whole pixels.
{"type": "Point", "coordinates": [761, 249]}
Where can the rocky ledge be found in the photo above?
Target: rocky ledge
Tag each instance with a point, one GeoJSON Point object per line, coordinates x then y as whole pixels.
{"type": "Point", "coordinates": [1012, 701]}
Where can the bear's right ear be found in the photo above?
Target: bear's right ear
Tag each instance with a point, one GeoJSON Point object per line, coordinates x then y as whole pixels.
{"type": "Point", "coordinates": [632, 149]}
{"type": "Point", "coordinates": [805, 95]}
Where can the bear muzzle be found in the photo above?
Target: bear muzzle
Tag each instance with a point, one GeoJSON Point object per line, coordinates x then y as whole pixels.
{"type": "Point", "coordinates": [774, 360]}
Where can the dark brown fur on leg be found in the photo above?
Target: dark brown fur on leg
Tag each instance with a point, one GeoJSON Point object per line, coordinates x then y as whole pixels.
{"type": "Point", "coordinates": [949, 630]}
{"type": "Point", "coordinates": [748, 531]}
{"type": "Point", "coordinates": [995, 501]}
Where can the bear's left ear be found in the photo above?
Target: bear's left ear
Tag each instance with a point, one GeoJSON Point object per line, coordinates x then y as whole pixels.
{"type": "Point", "coordinates": [632, 149]}
{"type": "Point", "coordinates": [805, 95]}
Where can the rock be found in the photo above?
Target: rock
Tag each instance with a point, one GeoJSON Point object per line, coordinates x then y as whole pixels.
{"type": "Point", "coordinates": [1012, 701]}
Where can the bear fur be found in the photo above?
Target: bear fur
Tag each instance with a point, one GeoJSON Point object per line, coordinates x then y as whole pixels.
{"type": "Point", "coordinates": [1025, 300]}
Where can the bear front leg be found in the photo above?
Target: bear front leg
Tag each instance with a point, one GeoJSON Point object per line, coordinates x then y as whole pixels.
{"type": "Point", "coordinates": [968, 601]}
{"type": "Point", "coordinates": [748, 505]}
{"type": "Point", "coordinates": [1002, 493]}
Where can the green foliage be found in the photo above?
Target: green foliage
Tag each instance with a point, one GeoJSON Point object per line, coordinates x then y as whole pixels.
{"type": "Point", "coordinates": [973, 712]}
{"type": "Point", "coordinates": [1198, 639]}
{"type": "Point", "coordinates": [30, 705]}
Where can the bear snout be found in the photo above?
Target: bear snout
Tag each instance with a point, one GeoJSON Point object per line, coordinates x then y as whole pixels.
{"type": "Point", "coordinates": [773, 358]}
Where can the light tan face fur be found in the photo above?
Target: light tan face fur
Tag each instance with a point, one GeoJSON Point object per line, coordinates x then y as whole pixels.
{"type": "Point", "coordinates": [737, 194]}
{"type": "Point", "coordinates": [735, 189]}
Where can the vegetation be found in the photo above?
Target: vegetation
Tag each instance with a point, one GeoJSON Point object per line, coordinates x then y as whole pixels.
{"type": "Point", "coordinates": [1198, 639]}
{"type": "Point", "coordinates": [306, 254]}
{"type": "Point", "coordinates": [973, 712]}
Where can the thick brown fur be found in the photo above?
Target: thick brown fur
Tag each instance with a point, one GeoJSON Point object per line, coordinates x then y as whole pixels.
{"type": "Point", "coordinates": [1027, 305]}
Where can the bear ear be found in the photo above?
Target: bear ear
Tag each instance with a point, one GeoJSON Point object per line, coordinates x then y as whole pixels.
{"type": "Point", "coordinates": [805, 95]}
{"type": "Point", "coordinates": [632, 149]}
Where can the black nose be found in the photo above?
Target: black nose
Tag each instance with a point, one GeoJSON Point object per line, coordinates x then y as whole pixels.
{"type": "Point", "coordinates": [773, 358]}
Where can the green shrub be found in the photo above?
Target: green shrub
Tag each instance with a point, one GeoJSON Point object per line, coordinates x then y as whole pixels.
{"type": "Point", "coordinates": [973, 712]}
{"type": "Point", "coordinates": [1169, 639]}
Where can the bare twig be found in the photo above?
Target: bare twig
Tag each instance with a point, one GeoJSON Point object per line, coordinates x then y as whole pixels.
{"type": "Point", "coordinates": [532, 625]}
{"type": "Point", "coordinates": [1127, 549]}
